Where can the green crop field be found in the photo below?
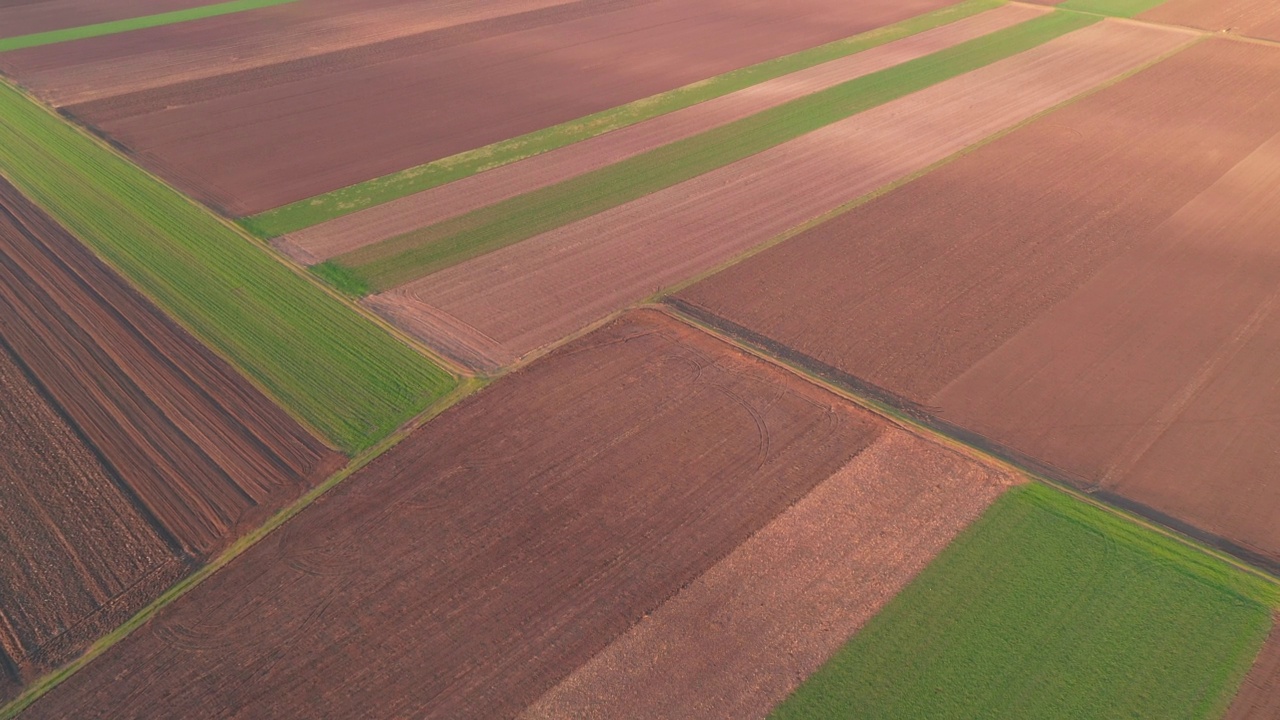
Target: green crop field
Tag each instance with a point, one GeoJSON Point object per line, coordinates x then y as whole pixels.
{"type": "Point", "coordinates": [324, 362]}
{"type": "Point", "coordinates": [1117, 8]}
{"type": "Point", "coordinates": [407, 257]}
{"type": "Point", "coordinates": [138, 23]}
{"type": "Point", "coordinates": [1051, 608]}
{"type": "Point", "coordinates": [313, 211]}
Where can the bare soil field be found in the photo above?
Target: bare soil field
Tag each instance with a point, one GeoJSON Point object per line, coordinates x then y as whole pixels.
{"type": "Point", "coordinates": [1073, 294]}
{"type": "Point", "coordinates": [481, 560]}
{"type": "Point", "coordinates": [490, 311]}
{"type": "Point", "coordinates": [25, 17]}
{"type": "Point", "coordinates": [202, 452]}
{"type": "Point", "coordinates": [738, 641]}
{"type": "Point", "coordinates": [1256, 18]}
{"type": "Point", "coordinates": [240, 148]}
{"type": "Point", "coordinates": [1259, 696]}
{"type": "Point", "coordinates": [77, 557]}
{"type": "Point", "coordinates": [415, 211]}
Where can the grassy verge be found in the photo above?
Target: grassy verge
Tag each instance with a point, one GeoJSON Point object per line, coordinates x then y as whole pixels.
{"type": "Point", "coordinates": [1049, 607]}
{"type": "Point", "coordinates": [407, 257]}
{"type": "Point", "coordinates": [313, 211]}
{"type": "Point", "coordinates": [1116, 8]}
{"type": "Point", "coordinates": [138, 23]}
{"type": "Point", "coordinates": [320, 359]}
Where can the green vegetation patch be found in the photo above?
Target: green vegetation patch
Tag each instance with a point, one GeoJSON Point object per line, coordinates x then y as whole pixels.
{"type": "Point", "coordinates": [1049, 607]}
{"type": "Point", "coordinates": [138, 23]}
{"type": "Point", "coordinates": [319, 358]}
{"type": "Point", "coordinates": [320, 208]}
{"type": "Point", "coordinates": [1116, 8]}
{"type": "Point", "coordinates": [407, 257]}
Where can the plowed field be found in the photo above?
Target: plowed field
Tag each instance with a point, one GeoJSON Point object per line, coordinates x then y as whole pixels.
{"type": "Point", "coordinates": [1259, 696]}
{"type": "Point", "coordinates": [489, 311]}
{"type": "Point", "coordinates": [130, 450]}
{"type": "Point", "coordinates": [477, 563]}
{"type": "Point", "coordinates": [271, 129]}
{"type": "Point", "coordinates": [1257, 18]}
{"type": "Point", "coordinates": [1074, 294]}
{"type": "Point", "coordinates": [24, 17]}
{"type": "Point", "coordinates": [738, 640]}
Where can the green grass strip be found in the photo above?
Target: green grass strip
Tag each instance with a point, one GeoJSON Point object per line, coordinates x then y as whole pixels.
{"type": "Point", "coordinates": [1049, 607]}
{"type": "Point", "coordinates": [147, 21]}
{"type": "Point", "coordinates": [321, 360]}
{"type": "Point", "coordinates": [413, 255]}
{"type": "Point", "coordinates": [320, 208]}
{"type": "Point", "coordinates": [1115, 8]}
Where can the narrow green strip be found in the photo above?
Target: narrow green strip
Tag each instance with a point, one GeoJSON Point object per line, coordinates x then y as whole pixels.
{"type": "Point", "coordinates": [320, 208]}
{"type": "Point", "coordinates": [1051, 608]}
{"type": "Point", "coordinates": [320, 359]}
{"type": "Point", "coordinates": [1115, 8]}
{"type": "Point", "coordinates": [407, 257]}
{"type": "Point", "coordinates": [138, 23]}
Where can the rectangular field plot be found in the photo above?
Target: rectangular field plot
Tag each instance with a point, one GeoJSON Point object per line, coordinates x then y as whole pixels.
{"type": "Point", "coordinates": [468, 569]}
{"type": "Point", "coordinates": [1255, 18]}
{"type": "Point", "coordinates": [1050, 608]}
{"type": "Point", "coordinates": [320, 93]}
{"type": "Point", "coordinates": [130, 450]}
{"type": "Point", "coordinates": [1074, 294]}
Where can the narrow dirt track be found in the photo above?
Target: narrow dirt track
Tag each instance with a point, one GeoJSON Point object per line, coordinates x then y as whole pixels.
{"type": "Point", "coordinates": [257, 144]}
{"type": "Point", "coordinates": [356, 230]}
{"type": "Point", "coordinates": [76, 556]}
{"type": "Point", "coordinates": [203, 451]}
{"type": "Point", "coordinates": [1259, 696]}
{"type": "Point", "coordinates": [1255, 18]}
{"type": "Point", "coordinates": [1074, 293]}
{"type": "Point", "coordinates": [481, 560]}
{"type": "Point", "coordinates": [742, 637]}
{"type": "Point", "coordinates": [543, 289]}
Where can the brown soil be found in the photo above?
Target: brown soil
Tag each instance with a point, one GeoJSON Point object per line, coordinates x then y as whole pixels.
{"type": "Point", "coordinates": [545, 288]}
{"type": "Point", "coordinates": [1074, 293]}
{"type": "Point", "coordinates": [25, 17]}
{"type": "Point", "coordinates": [740, 639]}
{"type": "Point", "coordinates": [76, 556]}
{"type": "Point", "coordinates": [1256, 18]}
{"type": "Point", "coordinates": [477, 563]}
{"type": "Point", "coordinates": [353, 231]}
{"type": "Point", "coordinates": [202, 452]}
{"type": "Point", "coordinates": [1259, 696]}
{"type": "Point", "coordinates": [267, 144]}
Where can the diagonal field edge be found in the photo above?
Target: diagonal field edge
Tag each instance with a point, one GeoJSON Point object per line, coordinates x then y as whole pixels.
{"type": "Point", "coordinates": [344, 201]}
{"type": "Point", "coordinates": [138, 23]}
{"type": "Point", "coordinates": [408, 257]}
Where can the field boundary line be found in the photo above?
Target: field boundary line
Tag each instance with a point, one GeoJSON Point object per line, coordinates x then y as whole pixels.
{"type": "Point", "coordinates": [141, 22]}
{"type": "Point", "coordinates": [49, 681]}
{"type": "Point", "coordinates": [905, 420]}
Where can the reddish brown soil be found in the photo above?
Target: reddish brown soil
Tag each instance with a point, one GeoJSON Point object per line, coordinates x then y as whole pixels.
{"type": "Point", "coordinates": [538, 291]}
{"type": "Point", "coordinates": [1256, 18]}
{"type": "Point", "coordinates": [740, 639]}
{"type": "Point", "coordinates": [380, 222]}
{"type": "Point", "coordinates": [480, 561]}
{"type": "Point", "coordinates": [1074, 293]}
{"type": "Point", "coordinates": [1259, 696]}
{"type": "Point", "coordinates": [202, 451]}
{"type": "Point", "coordinates": [77, 557]}
{"type": "Point", "coordinates": [263, 146]}
{"type": "Point", "coordinates": [24, 17]}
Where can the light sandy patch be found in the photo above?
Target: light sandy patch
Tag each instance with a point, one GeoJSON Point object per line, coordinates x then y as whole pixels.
{"type": "Point", "coordinates": [745, 634]}
{"type": "Point", "coordinates": [541, 290]}
{"type": "Point", "coordinates": [409, 213]}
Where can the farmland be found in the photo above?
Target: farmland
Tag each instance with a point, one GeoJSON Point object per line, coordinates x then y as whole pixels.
{"type": "Point", "coordinates": [134, 450]}
{"type": "Point", "coordinates": [1039, 297]}
{"type": "Point", "coordinates": [592, 493]}
{"type": "Point", "coordinates": [346, 377]}
{"type": "Point", "coordinates": [1255, 18]}
{"type": "Point", "coordinates": [1259, 696]}
{"type": "Point", "coordinates": [493, 309]}
{"type": "Point", "coordinates": [1050, 608]}
{"type": "Point", "coordinates": [237, 147]}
